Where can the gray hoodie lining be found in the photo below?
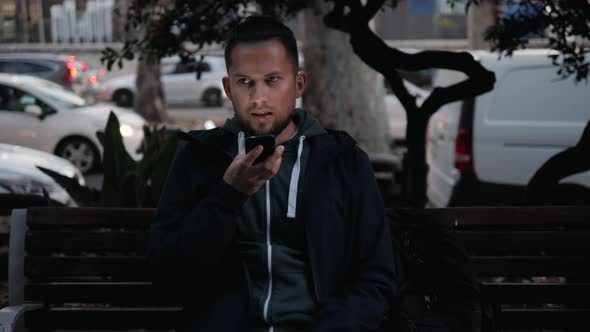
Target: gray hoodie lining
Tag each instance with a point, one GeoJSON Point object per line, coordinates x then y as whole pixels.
{"type": "Point", "coordinates": [292, 202]}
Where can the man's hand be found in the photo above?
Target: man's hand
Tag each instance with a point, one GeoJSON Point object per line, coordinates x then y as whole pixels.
{"type": "Point", "coordinates": [248, 178]}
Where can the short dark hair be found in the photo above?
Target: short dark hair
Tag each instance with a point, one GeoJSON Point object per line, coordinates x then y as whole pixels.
{"type": "Point", "coordinates": [262, 28]}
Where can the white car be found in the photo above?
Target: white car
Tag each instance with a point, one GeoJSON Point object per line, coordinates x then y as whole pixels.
{"type": "Point", "coordinates": [484, 151]}
{"type": "Point", "coordinates": [179, 81]}
{"type": "Point", "coordinates": [19, 173]}
{"type": "Point", "coordinates": [45, 116]}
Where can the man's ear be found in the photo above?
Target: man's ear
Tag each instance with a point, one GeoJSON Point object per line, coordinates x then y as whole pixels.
{"type": "Point", "coordinates": [300, 83]}
{"type": "Point", "coordinates": [225, 82]}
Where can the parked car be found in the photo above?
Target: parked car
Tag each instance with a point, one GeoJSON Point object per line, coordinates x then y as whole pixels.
{"type": "Point", "coordinates": [64, 70]}
{"type": "Point", "coordinates": [43, 115]}
{"type": "Point", "coordinates": [179, 81]}
{"type": "Point", "coordinates": [19, 173]}
{"type": "Point", "coordinates": [485, 151]}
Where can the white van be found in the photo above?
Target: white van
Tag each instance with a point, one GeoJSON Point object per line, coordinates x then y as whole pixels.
{"type": "Point", "coordinates": [485, 151]}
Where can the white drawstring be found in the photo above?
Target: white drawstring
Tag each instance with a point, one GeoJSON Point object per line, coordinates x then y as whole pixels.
{"type": "Point", "coordinates": [292, 200]}
{"type": "Point", "coordinates": [241, 143]}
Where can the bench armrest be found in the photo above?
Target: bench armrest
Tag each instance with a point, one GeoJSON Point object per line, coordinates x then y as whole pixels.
{"type": "Point", "coordinates": [9, 315]}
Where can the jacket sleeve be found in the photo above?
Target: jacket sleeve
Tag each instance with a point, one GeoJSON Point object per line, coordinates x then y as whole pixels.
{"type": "Point", "coordinates": [191, 233]}
{"type": "Point", "coordinates": [364, 303]}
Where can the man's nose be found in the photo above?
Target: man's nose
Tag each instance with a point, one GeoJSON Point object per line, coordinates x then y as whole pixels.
{"type": "Point", "coordinates": [259, 94]}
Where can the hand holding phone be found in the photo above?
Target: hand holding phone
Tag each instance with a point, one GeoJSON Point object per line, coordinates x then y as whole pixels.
{"type": "Point", "coordinates": [266, 141]}
{"type": "Point", "coordinates": [246, 177]}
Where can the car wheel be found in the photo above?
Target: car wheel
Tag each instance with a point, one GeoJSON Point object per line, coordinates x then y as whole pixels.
{"type": "Point", "coordinates": [123, 98]}
{"type": "Point", "coordinates": [80, 152]}
{"type": "Point", "coordinates": [212, 98]}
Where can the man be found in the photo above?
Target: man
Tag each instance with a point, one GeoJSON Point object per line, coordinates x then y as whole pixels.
{"type": "Point", "coordinates": [295, 243]}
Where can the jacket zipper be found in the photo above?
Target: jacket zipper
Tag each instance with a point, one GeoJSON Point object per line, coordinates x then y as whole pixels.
{"type": "Point", "coordinates": [269, 256]}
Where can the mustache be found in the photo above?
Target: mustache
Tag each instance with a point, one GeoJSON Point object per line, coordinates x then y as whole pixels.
{"type": "Point", "coordinates": [263, 107]}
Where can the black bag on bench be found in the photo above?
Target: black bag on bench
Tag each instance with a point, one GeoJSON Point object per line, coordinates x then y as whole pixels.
{"type": "Point", "coordinates": [438, 291]}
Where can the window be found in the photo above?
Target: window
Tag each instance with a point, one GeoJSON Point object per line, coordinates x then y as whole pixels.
{"type": "Point", "coordinates": [7, 67]}
{"type": "Point", "coordinates": [191, 67]}
{"type": "Point", "coordinates": [30, 68]}
{"type": "Point", "coordinates": [13, 100]}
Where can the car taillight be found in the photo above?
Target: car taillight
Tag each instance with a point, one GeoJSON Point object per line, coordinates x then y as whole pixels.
{"type": "Point", "coordinates": [71, 72]}
{"type": "Point", "coordinates": [464, 150]}
{"type": "Point", "coordinates": [84, 66]}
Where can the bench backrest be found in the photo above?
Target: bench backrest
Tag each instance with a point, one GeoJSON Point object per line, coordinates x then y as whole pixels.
{"type": "Point", "coordinates": [88, 265]}
{"type": "Point", "coordinates": [533, 263]}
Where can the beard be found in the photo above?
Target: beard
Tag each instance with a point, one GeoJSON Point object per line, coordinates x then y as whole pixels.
{"type": "Point", "coordinates": [277, 126]}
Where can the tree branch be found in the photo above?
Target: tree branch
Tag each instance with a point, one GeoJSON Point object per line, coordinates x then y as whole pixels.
{"type": "Point", "coordinates": [387, 60]}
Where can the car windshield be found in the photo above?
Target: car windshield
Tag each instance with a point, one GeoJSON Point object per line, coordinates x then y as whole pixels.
{"type": "Point", "coordinates": [56, 93]}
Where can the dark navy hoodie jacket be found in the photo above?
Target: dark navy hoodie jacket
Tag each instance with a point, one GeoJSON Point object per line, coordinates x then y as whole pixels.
{"type": "Point", "coordinates": [193, 250]}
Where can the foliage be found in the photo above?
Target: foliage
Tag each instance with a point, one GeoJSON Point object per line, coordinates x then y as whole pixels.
{"type": "Point", "coordinates": [566, 25]}
{"type": "Point", "coordinates": [126, 182]}
{"type": "Point", "coordinates": [185, 26]}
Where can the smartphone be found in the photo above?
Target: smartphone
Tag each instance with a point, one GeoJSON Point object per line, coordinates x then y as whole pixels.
{"type": "Point", "coordinates": [267, 142]}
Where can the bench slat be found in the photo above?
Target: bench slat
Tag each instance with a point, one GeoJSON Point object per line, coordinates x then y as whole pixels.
{"type": "Point", "coordinates": [112, 241]}
{"type": "Point", "coordinates": [112, 217]}
{"type": "Point", "coordinates": [513, 216]}
{"type": "Point", "coordinates": [127, 268]}
{"type": "Point", "coordinates": [514, 266]}
{"type": "Point", "coordinates": [103, 318]}
{"type": "Point", "coordinates": [119, 293]}
{"type": "Point", "coordinates": [574, 319]}
{"type": "Point", "coordinates": [535, 293]}
{"type": "Point", "coordinates": [490, 240]}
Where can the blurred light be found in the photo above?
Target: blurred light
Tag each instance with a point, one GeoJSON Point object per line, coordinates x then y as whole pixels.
{"type": "Point", "coordinates": [72, 58]}
{"type": "Point", "coordinates": [126, 130]}
{"type": "Point", "coordinates": [209, 124]}
{"type": "Point", "coordinates": [93, 79]}
{"type": "Point", "coordinates": [84, 66]}
{"type": "Point", "coordinates": [101, 72]}
{"type": "Point", "coordinates": [73, 70]}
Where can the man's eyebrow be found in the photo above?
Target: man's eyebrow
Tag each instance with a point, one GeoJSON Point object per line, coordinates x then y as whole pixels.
{"type": "Point", "coordinates": [240, 75]}
{"type": "Point", "coordinates": [276, 72]}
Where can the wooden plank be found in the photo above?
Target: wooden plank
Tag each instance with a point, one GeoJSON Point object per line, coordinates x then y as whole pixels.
{"type": "Point", "coordinates": [122, 294]}
{"type": "Point", "coordinates": [112, 241]}
{"type": "Point", "coordinates": [514, 216]}
{"type": "Point", "coordinates": [103, 318]}
{"type": "Point", "coordinates": [492, 240]}
{"type": "Point", "coordinates": [114, 217]}
{"type": "Point", "coordinates": [536, 293]}
{"type": "Point", "coordinates": [126, 268]}
{"type": "Point", "coordinates": [571, 319]}
{"type": "Point", "coordinates": [514, 266]}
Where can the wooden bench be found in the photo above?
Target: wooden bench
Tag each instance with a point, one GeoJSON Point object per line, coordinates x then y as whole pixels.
{"type": "Point", "coordinates": [82, 269]}
{"type": "Point", "coordinates": [533, 264]}
{"type": "Point", "coordinates": [85, 269]}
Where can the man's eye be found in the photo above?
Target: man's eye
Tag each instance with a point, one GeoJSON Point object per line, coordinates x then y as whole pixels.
{"type": "Point", "coordinates": [244, 81]}
{"type": "Point", "coordinates": [274, 78]}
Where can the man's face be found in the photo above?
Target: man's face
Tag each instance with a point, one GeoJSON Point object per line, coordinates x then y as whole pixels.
{"type": "Point", "coordinates": [263, 84]}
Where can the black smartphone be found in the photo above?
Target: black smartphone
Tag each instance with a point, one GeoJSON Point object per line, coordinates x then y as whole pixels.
{"type": "Point", "coordinates": [267, 142]}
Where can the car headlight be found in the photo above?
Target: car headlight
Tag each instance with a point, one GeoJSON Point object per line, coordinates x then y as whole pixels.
{"type": "Point", "coordinates": [126, 130]}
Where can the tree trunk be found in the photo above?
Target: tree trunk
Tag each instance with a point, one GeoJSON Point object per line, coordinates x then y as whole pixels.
{"type": "Point", "coordinates": [415, 168]}
{"type": "Point", "coordinates": [480, 17]}
{"type": "Point", "coordinates": [343, 92]}
{"type": "Point", "coordinates": [149, 101]}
